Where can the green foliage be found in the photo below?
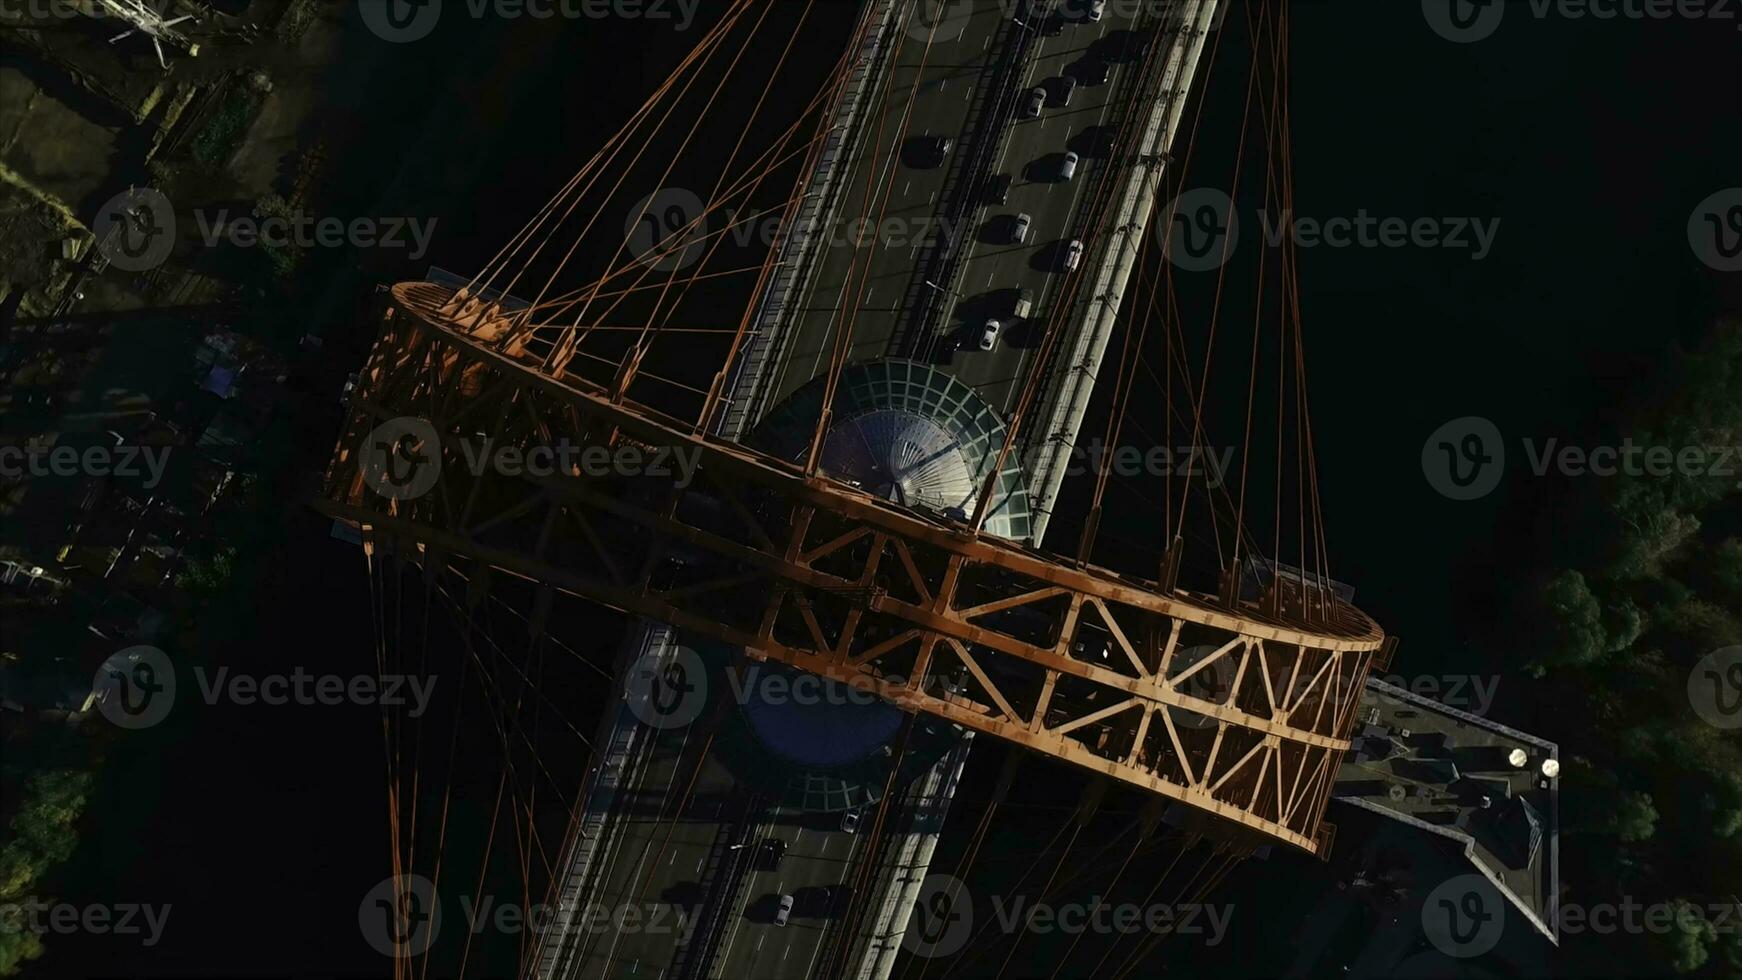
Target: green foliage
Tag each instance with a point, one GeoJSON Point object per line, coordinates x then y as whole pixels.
{"type": "Point", "coordinates": [41, 835]}
{"type": "Point", "coordinates": [1689, 937]}
{"type": "Point", "coordinates": [223, 131]}
{"type": "Point", "coordinates": [1634, 818]}
{"type": "Point", "coordinates": [1620, 635]}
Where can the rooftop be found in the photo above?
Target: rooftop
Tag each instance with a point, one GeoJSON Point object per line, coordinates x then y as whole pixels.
{"type": "Point", "coordinates": [1461, 776]}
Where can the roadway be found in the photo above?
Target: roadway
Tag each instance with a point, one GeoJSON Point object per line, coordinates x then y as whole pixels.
{"type": "Point", "coordinates": [683, 843]}
{"type": "Point", "coordinates": [994, 271]}
{"type": "Point", "coordinates": [660, 856]}
{"type": "Point", "coordinates": [960, 76]}
{"type": "Point", "coordinates": [936, 77]}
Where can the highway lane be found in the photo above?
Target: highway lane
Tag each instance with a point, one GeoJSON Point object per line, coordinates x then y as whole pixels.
{"type": "Point", "coordinates": [936, 78]}
{"type": "Point", "coordinates": [815, 858]}
{"type": "Point", "coordinates": [994, 270]}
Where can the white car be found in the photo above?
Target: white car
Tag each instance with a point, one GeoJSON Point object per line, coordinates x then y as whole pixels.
{"type": "Point", "coordinates": [1019, 231]}
{"type": "Point", "coordinates": [989, 335]}
{"type": "Point", "coordinates": [1068, 169]}
{"type": "Point", "coordinates": [1097, 9]}
{"type": "Point", "coordinates": [1073, 255]}
{"type": "Point", "coordinates": [850, 822]}
{"type": "Point", "coordinates": [1036, 100]}
{"type": "Point", "coordinates": [784, 912]}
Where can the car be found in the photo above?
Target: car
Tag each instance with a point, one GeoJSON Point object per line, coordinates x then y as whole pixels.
{"type": "Point", "coordinates": [783, 911]}
{"type": "Point", "coordinates": [1094, 72]}
{"type": "Point", "coordinates": [988, 339]}
{"type": "Point", "coordinates": [936, 148]}
{"type": "Point", "coordinates": [1073, 254]}
{"type": "Point", "coordinates": [1096, 9]}
{"type": "Point", "coordinates": [1067, 87]}
{"type": "Point", "coordinates": [997, 189]}
{"type": "Point", "coordinates": [1024, 304]}
{"type": "Point", "coordinates": [1068, 168]}
{"type": "Point", "coordinates": [1019, 230]}
{"type": "Point", "coordinates": [850, 822]}
{"type": "Point", "coordinates": [770, 850]}
{"type": "Point", "coordinates": [1036, 101]}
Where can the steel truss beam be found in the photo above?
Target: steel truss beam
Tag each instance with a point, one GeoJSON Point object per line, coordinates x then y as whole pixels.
{"type": "Point", "coordinates": [1073, 661]}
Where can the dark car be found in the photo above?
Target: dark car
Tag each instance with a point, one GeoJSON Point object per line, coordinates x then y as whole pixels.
{"type": "Point", "coordinates": [997, 189]}
{"type": "Point", "coordinates": [934, 149]}
{"type": "Point", "coordinates": [1093, 72]}
{"type": "Point", "coordinates": [769, 851]}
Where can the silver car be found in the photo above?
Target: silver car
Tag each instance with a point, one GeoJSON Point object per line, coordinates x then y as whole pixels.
{"type": "Point", "coordinates": [784, 911]}
{"type": "Point", "coordinates": [1073, 255]}
{"type": "Point", "coordinates": [989, 335]}
{"type": "Point", "coordinates": [1019, 231]}
{"type": "Point", "coordinates": [1036, 100]}
{"type": "Point", "coordinates": [1068, 169]}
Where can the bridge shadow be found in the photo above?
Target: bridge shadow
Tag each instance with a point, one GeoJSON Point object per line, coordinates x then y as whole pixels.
{"type": "Point", "coordinates": [1118, 47]}
{"type": "Point", "coordinates": [1000, 229]}
{"type": "Point", "coordinates": [1045, 169]}
{"type": "Point", "coordinates": [1092, 142]}
{"type": "Point", "coordinates": [920, 153]}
